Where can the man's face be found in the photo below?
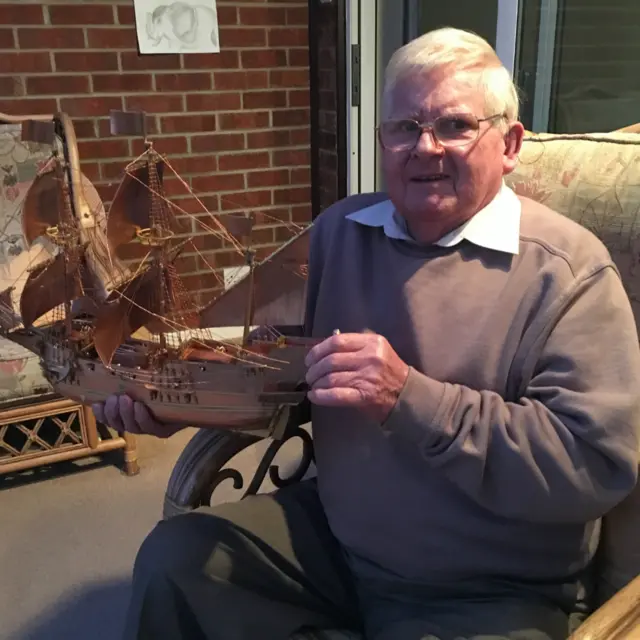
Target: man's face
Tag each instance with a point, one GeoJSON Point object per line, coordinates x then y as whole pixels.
{"type": "Point", "coordinates": [437, 188]}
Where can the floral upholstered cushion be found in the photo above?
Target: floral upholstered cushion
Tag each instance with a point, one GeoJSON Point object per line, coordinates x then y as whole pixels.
{"type": "Point", "coordinates": [595, 180]}
{"type": "Point", "coordinates": [21, 376]}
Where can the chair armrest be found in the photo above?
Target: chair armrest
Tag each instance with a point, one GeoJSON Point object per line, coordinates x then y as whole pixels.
{"type": "Point", "coordinates": [616, 619]}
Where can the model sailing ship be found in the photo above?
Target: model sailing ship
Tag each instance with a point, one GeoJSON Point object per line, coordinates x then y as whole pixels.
{"type": "Point", "coordinates": [81, 311]}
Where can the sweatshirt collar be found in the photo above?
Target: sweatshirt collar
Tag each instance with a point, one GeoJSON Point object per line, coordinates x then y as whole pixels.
{"type": "Point", "coordinates": [496, 226]}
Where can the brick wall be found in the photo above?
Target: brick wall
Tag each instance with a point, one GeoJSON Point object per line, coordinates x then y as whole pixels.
{"type": "Point", "coordinates": [235, 125]}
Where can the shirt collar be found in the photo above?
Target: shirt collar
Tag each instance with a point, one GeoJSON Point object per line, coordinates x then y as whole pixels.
{"type": "Point", "coordinates": [496, 226]}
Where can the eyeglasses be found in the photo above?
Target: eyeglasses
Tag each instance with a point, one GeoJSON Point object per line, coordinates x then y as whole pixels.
{"type": "Point", "coordinates": [452, 130]}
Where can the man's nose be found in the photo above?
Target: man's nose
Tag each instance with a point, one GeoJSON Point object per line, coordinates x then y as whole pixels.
{"type": "Point", "coordinates": [428, 143]}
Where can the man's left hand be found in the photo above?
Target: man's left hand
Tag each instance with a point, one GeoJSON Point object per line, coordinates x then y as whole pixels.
{"type": "Point", "coordinates": [359, 370]}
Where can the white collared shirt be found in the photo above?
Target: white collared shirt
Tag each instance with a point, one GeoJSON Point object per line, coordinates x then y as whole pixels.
{"type": "Point", "coordinates": [496, 226]}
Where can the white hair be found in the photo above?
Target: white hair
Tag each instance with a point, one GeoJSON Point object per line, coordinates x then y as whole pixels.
{"type": "Point", "coordinates": [463, 50]}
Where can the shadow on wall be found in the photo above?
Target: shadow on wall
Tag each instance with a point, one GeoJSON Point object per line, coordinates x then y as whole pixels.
{"type": "Point", "coordinates": [95, 611]}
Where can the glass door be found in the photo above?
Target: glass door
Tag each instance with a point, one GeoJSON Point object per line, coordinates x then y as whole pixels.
{"type": "Point", "coordinates": [577, 64]}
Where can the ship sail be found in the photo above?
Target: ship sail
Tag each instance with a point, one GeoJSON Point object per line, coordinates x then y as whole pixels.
{"type": "Point", "coordinates": [139, 211]}
{"type": "Point", "coordinates": [154, 299]}
{"type": "Point", "coordinates": [279, 290]}
{"type": "Point", "coordinates": [64, 278]}
{"type": "Point", "coordinates": [44, 212]}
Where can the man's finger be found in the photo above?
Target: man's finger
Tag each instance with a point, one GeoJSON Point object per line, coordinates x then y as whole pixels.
{"type": "Point", "coordinates": [127, 414]}
{"type": "Point", "coordinates": [147, 423]}
{"type": "Point", "coordinates": [339, 361]}
{"type": "Point", "coordinates": [98, 412]}
{"type": "Point", "coordinates": [336, 343]}
{"type": "Point", "coordinates": [112, 413]}
{"type": "Point", "coordinates": [335, 397]}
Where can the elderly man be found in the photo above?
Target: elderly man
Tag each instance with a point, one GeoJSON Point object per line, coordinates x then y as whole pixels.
{"type": "Point", "coordinates": [473, 420]}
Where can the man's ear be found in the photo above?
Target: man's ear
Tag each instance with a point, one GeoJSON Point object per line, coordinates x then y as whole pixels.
{"type": "Point", "coordinates": [512, 143]}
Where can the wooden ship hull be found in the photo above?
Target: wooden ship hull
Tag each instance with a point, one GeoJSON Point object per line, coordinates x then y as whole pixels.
{"type": "Point", "coordinates": [239, 394]}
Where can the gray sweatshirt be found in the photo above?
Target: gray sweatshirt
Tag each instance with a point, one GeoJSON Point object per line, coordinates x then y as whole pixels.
{"type": "Point", "coordinates": [517, 428]}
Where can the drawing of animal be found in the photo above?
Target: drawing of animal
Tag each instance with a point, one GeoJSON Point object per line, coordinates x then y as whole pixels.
{"type": "Point", "coordinates": [183, 26]}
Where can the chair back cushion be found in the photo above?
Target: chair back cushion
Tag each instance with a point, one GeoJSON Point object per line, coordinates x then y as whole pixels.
{"type": "Point", "coordinates": [594, 179]}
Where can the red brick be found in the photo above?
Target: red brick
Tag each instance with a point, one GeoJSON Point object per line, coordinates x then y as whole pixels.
{"type": "Point", "coordinates": [288, 37]}
{"type": "Point", "coordinates": [301, 98]}
{"type": "Point", "coordinates": [289, 78]}
{"type": "Point", "coordinates": [290, 117]}
{"type": "Point", "coordinates": [246, 120]}
{"type": "Point", "coordinates": [6, 39]}
{"type": "Point", "coordinates": [84, 128]}
{"type": "Point", "coordinates": [21, 14]}
{"type": "Point", "coordinates": [186, 263]}
{"type": "Point", "coordinates": [51, 38]}
{"type": "Point", "coordinates": [122, 83]}
{"type": "Point", "coordinates": [281, 214]}
{"type": "Point", "coordinates": [12, 87]}
{"type": "Point", "coordinates": [301, 213]}
{"type": "Point", "coordinates": [126, 15]}
{"type": "Point", "coordinates": [57, 84]}
{"type": "Point", "coordinates": [87, 61]}
{"type": "Point", "coordinates": [239, 37]}
{"type": "Point", "coordinates": [218, 182]}
{"type": "Point", "coordinates": [25, 62]}
{"type": "Point", "coordinates": [226, 59]}
{"type": "Point", "coordinates": [91, 170]}
{"type": "Point", "coordinates": [169, 145]}
{"type": "Point", "coordinates": [262, 59]}
{"type": "Point", "coordinates": [230, 80]}
{"type": "Point", "coordinates": [204, 223]}
{"type": "Point", "coordinates": [301, 176]}
{"type": "Point", "coordinates": [87, 107]}
{"type": "Point", "coordinates": [264, 99]}
{"type": "Point", "coordinates": [270, 178]}
{"type": "Point", "coordinates": [191, 122]}
{"type": "Point", "coordinates": [194, 164]}
{"type": "Point", "coordinates": [213, 101]}
{"type": "Point", "coordinates": [298, 16]}
{"type": "Point", "coordinates": [240, 162]}
{"type": "Point", "coordinates": [183, 82]}
{"type": "Point", "coordinates": [132, 61]}
{"type": "Point", "coordinates": [262, 236]}
{"type": "Point", "coordinates": [103, 149]}
{"type": "Point", "coordinates": [291, 157]}
{"type": "Point", "coordinates": [263, 16]}
{"type": "Point", "coordinates": [268, 139]}
{"type": "Point", "coordinates": [300, 136]}
{"type": "Point", "coordinates": [292, 195]}
{"type": "Point", "coordinates": [66, 14]}
{"type": "Point", "coordinates": [245, 200]}
{"type": "Point", "coordinates": [155, 103]}
{"type": "Point", "coordinates": [112, 38]}
{"type": "Point", "coordinates": [22, 106]}
{"type": "Point", "coordinates": [298, 57]}
{"type": "Point", "coordinates": [217, 142]}
{"type": "Point", "coordinates": [227, 15]}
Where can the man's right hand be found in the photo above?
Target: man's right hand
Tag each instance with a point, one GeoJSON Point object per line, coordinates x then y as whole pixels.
{"type": "Point", "coordinates": [123, 414]}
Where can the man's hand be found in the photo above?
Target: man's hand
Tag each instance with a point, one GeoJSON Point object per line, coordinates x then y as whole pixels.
{"type": "Point", "coordinates": [359, 370]}
{"type": "Point", "coordinates": [123, 414]}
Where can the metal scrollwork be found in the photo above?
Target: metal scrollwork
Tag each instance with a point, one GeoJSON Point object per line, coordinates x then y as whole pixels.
{"type": "Point", "coordinates": [274, 470]}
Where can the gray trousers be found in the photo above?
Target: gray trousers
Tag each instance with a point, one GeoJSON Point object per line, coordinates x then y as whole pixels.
{"type": "Point", "coordinates": [268, 566]}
